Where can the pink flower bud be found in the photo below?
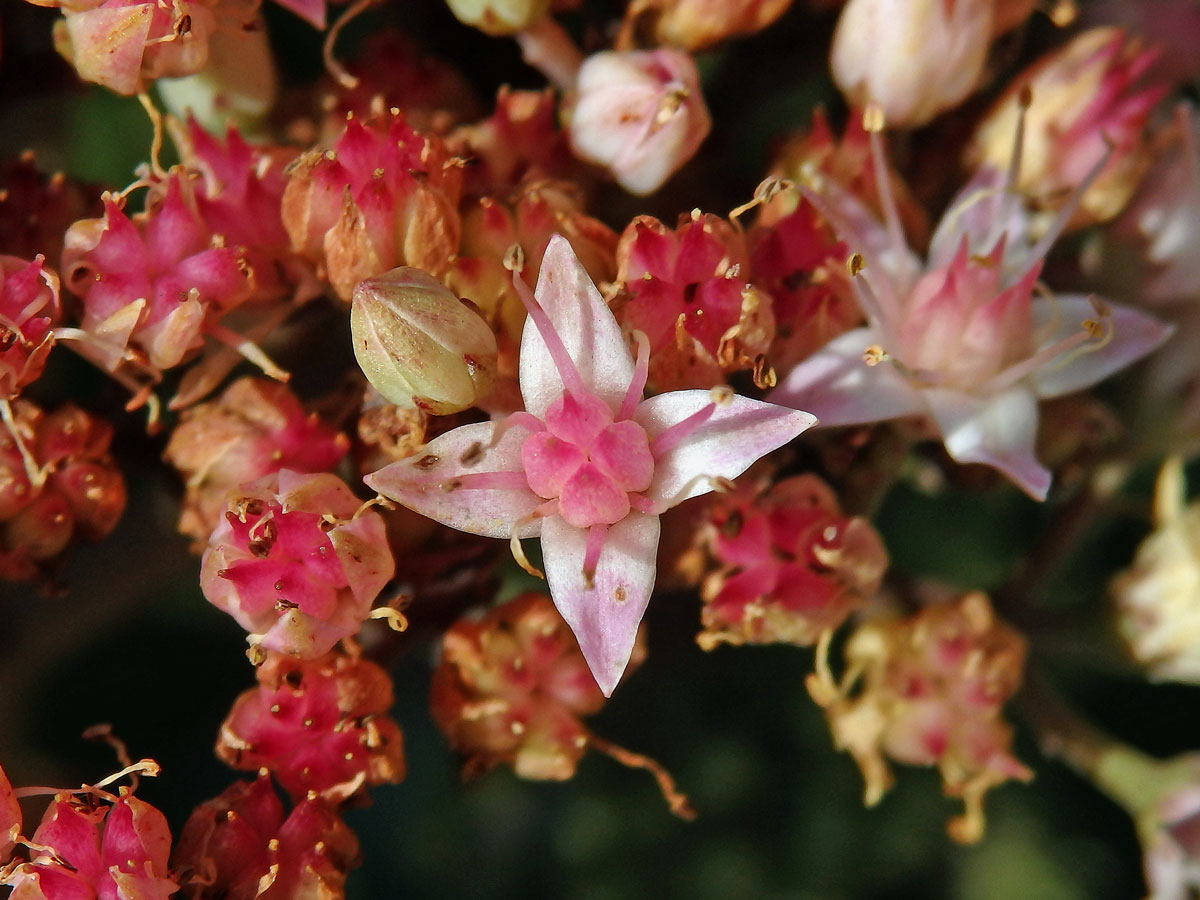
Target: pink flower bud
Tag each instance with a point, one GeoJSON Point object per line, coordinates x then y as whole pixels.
{"type": "Point", "coordinates": [254, 428]}
{"type": "Point", "coordinates": [912, 58]}
{"type": "Point", "coordinates": [499, 17]}
{"type": "Point", "coordinates": [698, 24]}
{"type": "Point", "coordinates": [296, 563]}
{"type": "Point", "coordinates": [640, 114]}
{"type": "Point", "coordinates": [519, 137]}
{"type": "Point", "coordinates": [418, 344]}
{"type": "Point", "coordinates": [318, 725]}
{"type": "Point", "coordinates": [1088, 99]}
{"type": "Point", "coordinates": [383, 196]}
{"type": "Point", "coordinates": [239, 846]}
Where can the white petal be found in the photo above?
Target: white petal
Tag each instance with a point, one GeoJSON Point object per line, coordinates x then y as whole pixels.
{"type": "Point", "coordinates": [837, 387]}
{"type": "Point", "coordinates": [725, 445]}
{"type": "Point", "coordinates": [998, 431]}
{"type": "Point", "coordinates": [604, 617]}
{"type": "Point", "coordinates": [1134, 335]}
{"type": "Point", "coordinates": [587, 328]}
{"type": "Point", "coordinates": [425, 482]}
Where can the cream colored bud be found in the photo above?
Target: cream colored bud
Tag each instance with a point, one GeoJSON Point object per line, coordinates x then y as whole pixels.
{"type": "Point", "coordinates": [499, 17]}
{"type": "Point", "coordinates": [913, 58]}
{"type": "Point", "coordinates": [418, 344]}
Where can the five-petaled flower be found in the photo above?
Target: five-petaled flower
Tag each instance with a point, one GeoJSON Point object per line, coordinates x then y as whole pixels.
{"type": "Point", "coordinates": [588, 465]}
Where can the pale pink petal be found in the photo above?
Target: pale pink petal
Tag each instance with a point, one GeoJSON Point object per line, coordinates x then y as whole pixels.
{"type": "Point", "coordinates": [588, 330]}
{"type": "Point", "coordinates": [437, 482]}
{"type": "Point", "coordinates": [605, 616]}
{"type": "Point", "coordinates": [839, 388]}
{"type": "Point", "coordinates": [1134, 334]}
{"type": "Point", "coordinates": [998, 431]}
{"type": "Point", "coordinates": [738, 433]}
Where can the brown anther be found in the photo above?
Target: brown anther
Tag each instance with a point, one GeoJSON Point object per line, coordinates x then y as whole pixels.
{"type": "Point", "coordinates": [514, 259]}
{"type": "Point", "coordinates": [874, 355]}
{"type": "Point", "coordinates": [873, 118]}
{"type": "Point", "coordinates": [855, 264]}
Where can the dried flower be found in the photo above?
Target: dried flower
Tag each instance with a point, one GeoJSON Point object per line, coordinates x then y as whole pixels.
{"type": "Point", "coordinates": [589, 465]}
{"type": "Point", "coordinates": [929, 691]}
{"type": "Point", "coordinates": [318, 725]}
{"type": "Point", "coordinates": [29, 306]}
{"type": "Point", "coordinates": [239, 846]}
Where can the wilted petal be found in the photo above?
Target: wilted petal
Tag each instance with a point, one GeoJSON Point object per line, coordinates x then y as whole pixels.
{"type": "Point", "coordinates": [738, 433]}
{"type": "Point", "coordinates": [839, 388]}
{"type": "Point", "coordinates": [998, 431]}
{"type": "Point", "coordinates": [1134, 334]}
{"type": "Point", "coordinates": [605, 616]}
{"type": "Point", "coordinates": [438, 482]}
{"type": "Point", "coordinates": [588, 330]}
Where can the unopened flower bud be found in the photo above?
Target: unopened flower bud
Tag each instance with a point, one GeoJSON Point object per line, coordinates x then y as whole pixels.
{"type": "Point", "coordinates": [914, 59]}
{"type": "Point", "coordinates": [697, 24]}
{"type": "Point", "coordinates": [498, 17]}
{"type": "Point", "coordinates": [418, 344]}
{"type": "Point", "coordinates": [640, 114]}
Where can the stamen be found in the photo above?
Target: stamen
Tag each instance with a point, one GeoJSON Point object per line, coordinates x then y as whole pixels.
{"type": "Point", "coordinates": [1042, 247]}
{"type": "Point", "coordinates": [641, 371]}
{"type": "Point", "coordinates": [718, 484]}
{"type": "Point", "coordinates": [591, 556]}
{"type": "Point", "coordinates": [395, 619]}
{"type": "Point", "coordinates": [1093, 335]}
{"type": "Point", "coordinates": [549, 508]}
{"type": "Point", "coordinates": [873, 124]}
{"type": "Point", "coordinates": [670, 439]}
{"type": "Point", "coordinates": [558, 351]}
{"type": "Point", "coordinates": [884, 314]}
{"type": "Point", "coordinates": [676, 800]}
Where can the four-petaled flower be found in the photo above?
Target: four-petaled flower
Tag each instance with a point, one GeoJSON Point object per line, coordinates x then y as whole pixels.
{"type": "Point", "coordinates": [588, 465]}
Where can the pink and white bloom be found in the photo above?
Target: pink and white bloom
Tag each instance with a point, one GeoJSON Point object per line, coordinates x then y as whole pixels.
{"type": "Point", "coordinates": [588, 465]}
{"type": "Point", "coordinates": [967, 338]}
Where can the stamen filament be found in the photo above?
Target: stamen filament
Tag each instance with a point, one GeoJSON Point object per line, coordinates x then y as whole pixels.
{"type": "Point", "coordinates": [1042, 247]}
{"type": "Point", "coordinates": [670, 439]}
{"type": "Point", "coordinates": [558, 352]}
{"type": "Point", "coordinates": [873, 125]}
{"type": "Point", "coordinates": [676, 800]}
{"type": "Point", "coordinates": [1017, 371]}
{"type": "Point", "coordinates": [641, 371]}
{"type": "Point", "coordinates": [591, 556]}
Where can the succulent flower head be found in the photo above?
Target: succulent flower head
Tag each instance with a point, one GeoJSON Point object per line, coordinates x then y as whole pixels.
{"type": "Point", "coordinates": [688, 292]}
{"type": "Point", "coordinates": [84, 850]}
{"type": "Point", "coordinates": [640, 114]}
{"type": "Point", "coordinates": [588, 465]}
{"type": "Point", "coordinates": [966, 338]}
{"type": "Point", "coordinates": [240, 846]}
{"type": "Point", "coordinates": [793, 567]}
{"type": "Point", "coordinates": [254, 428]}
{"type": "Point", "coordinates": [296, 562]}
{"type": "Point", "coordinates": [385, 195]}
{"type": "Point", "coordinates": [319, 726]}
{"type": "Point", "coordinates": [153, 282]}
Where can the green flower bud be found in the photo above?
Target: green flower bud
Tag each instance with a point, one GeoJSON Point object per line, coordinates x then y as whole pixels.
{"type": "Point", "coordinates": [418, 344]}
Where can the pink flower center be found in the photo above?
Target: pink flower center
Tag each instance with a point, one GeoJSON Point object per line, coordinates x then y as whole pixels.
{"type": "Point", "coordinates": [587, 461]}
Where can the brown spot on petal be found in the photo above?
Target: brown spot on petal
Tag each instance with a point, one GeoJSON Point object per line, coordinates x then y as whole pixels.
{"type": "Point", "coordinates": [619, 594]}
